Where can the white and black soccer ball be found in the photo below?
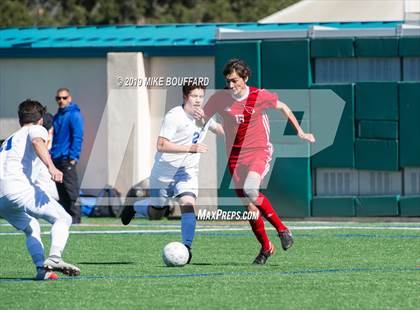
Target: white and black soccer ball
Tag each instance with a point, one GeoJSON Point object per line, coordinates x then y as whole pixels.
{"type": "Point", "coordinates": [175, 254]}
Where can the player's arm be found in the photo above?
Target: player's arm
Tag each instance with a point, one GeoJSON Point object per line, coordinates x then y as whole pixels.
{"type": "Point", "coordinates": [166, 146]}
{"type": "Point", "coordinates": [42, 152]}
{"type": "Point", "coordinates": [202, 119]}
{"type": "Point", "coordinates": [292, 118]}
{"type": "Point", "coordinates": [218, 129]}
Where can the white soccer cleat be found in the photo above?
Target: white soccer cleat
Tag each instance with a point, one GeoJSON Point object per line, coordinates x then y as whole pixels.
{"type": "Point", "coordinates": [53, 264]}
{"type": "Point", "coordinates": [43, 274]}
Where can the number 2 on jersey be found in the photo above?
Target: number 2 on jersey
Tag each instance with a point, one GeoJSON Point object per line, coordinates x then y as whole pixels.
{"type": "Point", "coordinates": [196, 135]}
{"type": "Point", "coordinates": [8, 144]}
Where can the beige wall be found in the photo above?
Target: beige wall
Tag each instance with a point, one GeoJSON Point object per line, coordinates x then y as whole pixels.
{"type": "Point", "coordinates": [40, 78]}
{"type": "Point", "coordinates": [90, 81]}
{"type": "Point", "coordinates": [128, 123]}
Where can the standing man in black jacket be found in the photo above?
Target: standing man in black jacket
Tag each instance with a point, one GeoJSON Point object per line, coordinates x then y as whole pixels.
{"type": "Point", "coordinates": [66, 148]}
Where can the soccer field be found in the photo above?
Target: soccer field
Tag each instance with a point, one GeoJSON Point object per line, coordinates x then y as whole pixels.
{"type": "Point", "coordinates": [331, 266]}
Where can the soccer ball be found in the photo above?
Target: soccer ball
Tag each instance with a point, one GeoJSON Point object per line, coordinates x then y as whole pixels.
{"type": "Point", "coordinates": [175, 254]}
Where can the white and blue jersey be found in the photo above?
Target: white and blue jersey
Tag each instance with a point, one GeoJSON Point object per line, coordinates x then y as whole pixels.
{"type": "Point", "coordinates": [176, 173]}
{"type": "Point", "coordinates": [21, 198]}
{"type": "Point", "coordinates": [18, 159]}
{"type": "Point", "coordinates": [180, 128]}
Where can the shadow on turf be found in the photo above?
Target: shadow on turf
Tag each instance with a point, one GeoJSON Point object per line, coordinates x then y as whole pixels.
{"type": "Point", "coordinates": [245, 264]}
{"type": "Point", "coordinates": [106, 263]}
{"type": "Point", "coordinates": [228, 264]}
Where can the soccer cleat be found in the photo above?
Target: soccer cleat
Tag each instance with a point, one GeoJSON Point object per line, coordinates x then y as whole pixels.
{"type": "Point", "coordinates": [189, 254]}
{"type": "Point", "coordinates": [262, 257]}
{"type": "Point", "coordinates": [127, 214]}
{"type": "Point", "coordinates": [286, 239]}
{"type": "Point", "coordinates": [52, 264]}
{"type": "Point", "coordinates": [42, 274]}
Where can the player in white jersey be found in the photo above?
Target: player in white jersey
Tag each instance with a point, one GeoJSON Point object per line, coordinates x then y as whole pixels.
{"type": "Point", "coordinates": [175, 169]}
{"type": "Point", "coordinates": [40, 174]}
{"type": "Point", "coordinates": [22, 201]}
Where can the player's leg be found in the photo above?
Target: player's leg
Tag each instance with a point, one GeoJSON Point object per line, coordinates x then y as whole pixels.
{"type": "Point", "coordinates": [188, 219]}
{"type": "Point", "coordinates": [153, 208]}
{"type": "Point", "coordinates": [17, 217]}
{"type": "Point", "coordinates": [187, 202]}
{"type": "Point", "coordinates": [156, 212]}
{"type": "Point", "coordinates": [141, 208]}
{"type": "Point", "coordinates": [251, 190]}
{"type": "Point", "coordinates": [258, 227]}
{"type": "Point", "coordinates": [61, 222]}
{"type": "Point", "coordinates": [41, 205]}
{"type": "Point", "coordinates": [239, 173]}
{"type": "Point", "coordinates": [36, 250]}
{"type": "Point", "coordinates": [257, 170]}
{"type": "Point", "coordinates": [186, 191]}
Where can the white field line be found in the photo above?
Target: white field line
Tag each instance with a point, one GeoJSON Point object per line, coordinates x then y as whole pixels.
{"type": "Point", "coordinates": [294, 225]}
{"type": "Point", "coordinates": [216, 229]}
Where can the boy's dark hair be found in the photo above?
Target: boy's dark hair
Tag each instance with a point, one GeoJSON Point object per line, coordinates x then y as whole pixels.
{"type": "Point", "coordinates": [30, 111]}
{"type": "Point", "coordinates": [48, 121]}
{"type": "Point", "coordinates": [190, 86]}
{"type": "Point", "coordinates": [239, 66]}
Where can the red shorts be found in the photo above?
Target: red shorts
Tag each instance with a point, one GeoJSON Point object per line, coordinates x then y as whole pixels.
{"type": "Point", "coordinates": [241, 162]}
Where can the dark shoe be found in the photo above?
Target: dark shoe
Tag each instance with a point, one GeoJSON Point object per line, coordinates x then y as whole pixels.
{"type": "Point", "coordinates": [286, 239]}
{"type": "Point", "coordinates": [127, 214]}
{"type": "Point", "coordinates": [190, 254]}
{"type": "Point", "coordinates": [42, 274]}
{"type": "Point", "coordinates": [262, 257]}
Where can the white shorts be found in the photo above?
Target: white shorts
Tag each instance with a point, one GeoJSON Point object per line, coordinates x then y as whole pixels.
{"type": "Point", "coordinates": [184, 182]}
{"type": "Point", "coordinates": [19, 209]}
{"type": "Point", "coordinates": [44, 181]}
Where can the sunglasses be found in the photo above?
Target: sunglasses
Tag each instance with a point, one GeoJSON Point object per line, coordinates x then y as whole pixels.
{"type": "Point", "coordinates": [58, 98]}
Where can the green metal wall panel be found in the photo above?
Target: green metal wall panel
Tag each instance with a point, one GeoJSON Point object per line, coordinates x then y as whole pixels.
{"type": "Point", "coordinates": [342, 47]}
{"type": "Point", "coordinates": [333, 206]}
{"type": "Point", "coordinates": [376, 101]}
{"type": "Point", "coordinates": [376, 154]}
{"type": "Point", "coordinates": [289, 188]}
{"type": "Point", "coordinates": [409, 46]}
{"type": "Point", "coordinates": [286, 64]}
{"type": "Point", "coordinates": [249, 51]}
{"type": "Point", "coordinates": [281, 130]}
{"type": "Point", "coordinates": [341, 153]}
{"type": "Point", "coordinates": [410, 206]}
{"type": "Point", "coordinates": [409, 101]}
{"type": "Point", "coordinates": [377, 206]}
{"type": "Point", "coordinates": [378, 130]}
{"type": "Point", "coordinates": [374, 47]}
{"type": "Point", "coordinates": [289, 181]}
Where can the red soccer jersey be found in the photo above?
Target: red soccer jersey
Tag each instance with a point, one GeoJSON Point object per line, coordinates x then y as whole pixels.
{"type": "Point", "coordinates": [245, 122]}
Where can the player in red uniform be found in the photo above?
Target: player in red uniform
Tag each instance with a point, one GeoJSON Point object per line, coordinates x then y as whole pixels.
{"type": "Point", "coordinates": [248, 147]}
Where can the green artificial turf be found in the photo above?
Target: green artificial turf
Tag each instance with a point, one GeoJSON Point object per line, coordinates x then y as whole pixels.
{"type": "Point", "coordinates": [351, 266]}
